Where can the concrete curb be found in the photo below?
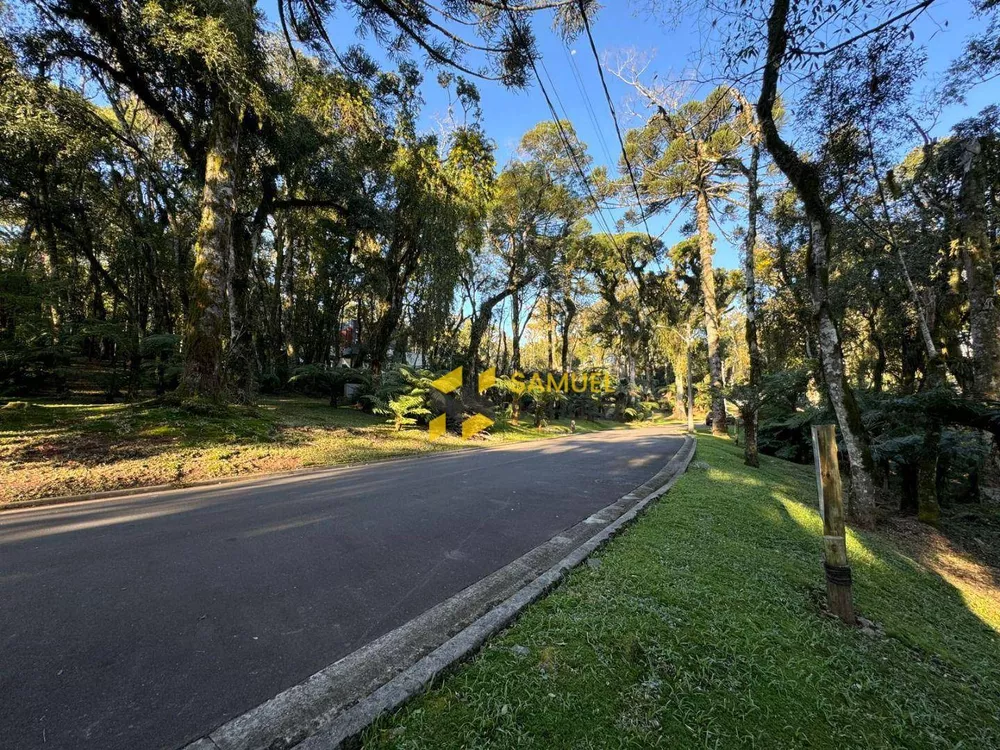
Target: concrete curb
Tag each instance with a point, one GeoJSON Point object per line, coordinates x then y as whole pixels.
{"type": "Point", "coordinates": [151, 489]}
{"type": "Point", "coordinates": [285, 721]}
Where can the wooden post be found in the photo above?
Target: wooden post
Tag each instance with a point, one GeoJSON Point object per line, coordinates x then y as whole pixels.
{"type": "Point", "coordinates": [831, 508]}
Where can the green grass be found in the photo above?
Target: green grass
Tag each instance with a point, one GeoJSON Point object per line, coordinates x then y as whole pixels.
{"type": "Point", "coordinates": [703, 626]}
{"type": "Point", "coordinates": [50, 449]}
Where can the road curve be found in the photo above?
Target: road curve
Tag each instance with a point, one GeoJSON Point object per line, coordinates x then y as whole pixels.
{"type": "Point", "coordinates": [147, 621]}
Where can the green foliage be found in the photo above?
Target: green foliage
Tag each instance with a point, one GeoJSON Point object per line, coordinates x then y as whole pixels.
{"type": "Point", "coordinates": [402, 393]}
{"type": "Point", "coordinates": [358, 235]}
{"type": "Point", "coordinates": [403, 409]}
{"type": "Point", "coordinates": [320, 379]}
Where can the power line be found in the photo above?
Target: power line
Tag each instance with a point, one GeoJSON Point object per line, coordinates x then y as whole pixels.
{"type": "Point", "coordinates": [614, 115]}
{"type": "Point", "coordinates": [565, 111]}
{"type": "Point", "coordinates": [558, 122]}
{"type": "Point", "coordinates": [591, 111]}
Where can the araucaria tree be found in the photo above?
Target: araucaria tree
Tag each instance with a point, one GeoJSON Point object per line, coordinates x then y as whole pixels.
{"type": "Point", "coordinates": [689, 159]}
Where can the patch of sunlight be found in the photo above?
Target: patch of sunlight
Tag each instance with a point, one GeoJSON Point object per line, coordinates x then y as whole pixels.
{"type": "Point", "coordinates": [84, 407]}
{"type": "Point", "coordinates": [973, 582]}
{"type": "Point", "coordinates": [288, 526]}
{"type": "Point", "coordinates": [859, 552]}
{"type": "Point", "coordinates": [714, 474]}
{"type": "Point", "coordinates": [161, 431]}
{"type": "Point", "coordinates": [770, 513]}
{"type": "Point", "coordinates": [807, 518]}
{"type": "Point", "coordinates": [31, 532]}
{"type": "Point", "coordinates": [982, 606]}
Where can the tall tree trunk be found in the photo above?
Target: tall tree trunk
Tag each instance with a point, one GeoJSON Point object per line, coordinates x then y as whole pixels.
{"type": "Point", "coordinates": [706, 253]}
{"type": "Point", "coordinates": [690, 380]}
{"type": "Point", "coordinates": [805, 178]}
{"type": "Point", "coordinates": [382, 331]}
{"type": "Point", "coordinates": [750, 456]}
{"type": "Point", "coordinates": [241, 362]}
{"type": "Point", "coordinates": [387, 324]}
{"type": "Point", "coordinates": [278, 351]}
{"type": "Point", "coordinates": [95, 347]}
{"type": "Point", "coordinates": [515, 338]}
{"type": "Point", "coordinates": [567, 324]}
{"type": "Point", "coordinates": [504, 353]}
{"type": "Point", "coordinates": [974, 244]}
{"type": "Point", "coordinates": [548, 327]}
{"type": "Point", "coordinates": [207, 324]}
{"type": "Point", "coordinates": [928, 508]}
{"type": "Point", "coordinates": [680, 409]}
{"type": "Point", "coordinates": [477, 331]}
{"type": "Point", "coordinates": [290, 321]}
{"type": "Point", "coordinates": [50, 258]}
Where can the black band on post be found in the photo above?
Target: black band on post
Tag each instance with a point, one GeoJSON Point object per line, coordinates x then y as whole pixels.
{"type": "Point", "coordinates": [835, 574]}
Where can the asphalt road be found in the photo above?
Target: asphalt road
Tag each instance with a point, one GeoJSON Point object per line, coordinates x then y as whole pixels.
{"type": "Point", "coordinates": [144, 622]}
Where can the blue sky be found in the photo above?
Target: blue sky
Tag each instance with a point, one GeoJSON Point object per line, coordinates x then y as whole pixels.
{"type": "Point", "coordinates": [570, 74]}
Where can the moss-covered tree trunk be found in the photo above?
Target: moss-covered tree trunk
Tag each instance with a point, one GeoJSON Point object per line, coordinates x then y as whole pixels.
{"type": "Point", "coordinates": [928, 508]}
{"type": "Point", "coordinates": [974, 245]}
{"type": "Point", "coordinates": [208, 324]}
{"type": "Point", "coordinates": [805, 178]}
{"type": "Point", "coordinates": [706, 252]}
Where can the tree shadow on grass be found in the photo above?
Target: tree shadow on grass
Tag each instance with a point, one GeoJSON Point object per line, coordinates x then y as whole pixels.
{"type": "Point", "coordinates": [917, 601]}
{"type": "Point", "coordinates": [927, 676]}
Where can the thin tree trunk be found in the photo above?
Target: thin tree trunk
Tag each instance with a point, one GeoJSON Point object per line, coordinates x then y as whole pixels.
{"type": "Point", "coordinates": [480, 324]}
{"type": "Point", "coordinates": [706, 253]}
{"type": "Point", "coordinates": [51, 259]}
{"type": "Point", "coordinates": [690, 381]}
{"type": "Point", "coordinates": [278, 351]}
{"type": "Point", "coordinates": [290, 330]}
{"type": "Point", "coordinates": [881, 361]}
{"type": "Point", "coordinates": [567, 323]}
{"type": "Point", "coordinates": [548, 327]}
{"type": "Point", "coordinates": [207, 329]}
{"type": "Point", "coordinates": [841, 395]}
{"type": "Point", "coordinates": [515, 334]}
{"type": "Point", "coordinates": [750, 455]}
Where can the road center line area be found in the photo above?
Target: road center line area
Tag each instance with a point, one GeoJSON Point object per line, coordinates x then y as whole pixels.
{"type": "Point", "coordinates": [146, 622]}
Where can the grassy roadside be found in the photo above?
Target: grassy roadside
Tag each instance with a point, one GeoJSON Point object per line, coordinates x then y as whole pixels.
{"type": "Point", "coordinates": [702, 626]}
{"type": "Point", "coordinates": [51, 449]}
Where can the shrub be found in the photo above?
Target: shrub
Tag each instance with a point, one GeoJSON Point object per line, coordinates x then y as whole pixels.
{"type": "Point", "coordinates": [404, 409]}
{"type": "Point", "coordinates": [270, 383]}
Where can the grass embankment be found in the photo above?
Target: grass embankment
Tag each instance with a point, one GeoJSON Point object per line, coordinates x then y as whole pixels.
{"type": "Point", "coordinates": [51, 449]}
{"type": "Point", "coordinates": [703, 626]}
